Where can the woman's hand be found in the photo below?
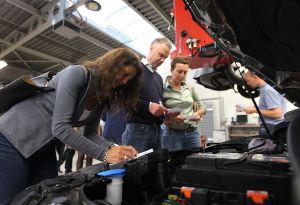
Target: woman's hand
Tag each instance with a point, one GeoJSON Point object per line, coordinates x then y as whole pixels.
{"type": "Point", "coordinates": [178, 119]}
{"type": "Point", "coordinates": [194, 117]}
{"type": "Point", "coordinates": [120, 153]}
{"type": "Point", "coordinates": [198, 114]}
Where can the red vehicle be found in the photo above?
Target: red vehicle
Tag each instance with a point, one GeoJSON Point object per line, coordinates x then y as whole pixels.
{"type": "Point", "coordinates": [213, 64]}
{"type": "Point", "coordinates": [193, 40]}
{"type": "Point", "coordinates": [216, 34]}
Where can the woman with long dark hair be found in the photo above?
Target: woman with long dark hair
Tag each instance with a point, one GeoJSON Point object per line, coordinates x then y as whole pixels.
{"type": "Point", "coordinates": [28, 129]}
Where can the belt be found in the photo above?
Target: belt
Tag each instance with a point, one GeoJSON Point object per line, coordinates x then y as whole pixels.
{"type": "Point", "coordinates": [186, 130]}
{"type": "Point", "coordinates": [152, 124]}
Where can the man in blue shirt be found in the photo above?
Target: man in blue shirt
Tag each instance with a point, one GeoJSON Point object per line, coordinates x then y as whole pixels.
{"type": "Point", "coordinates": [272, 108]}
{"type": "Point", "coordinates": [271, 104]}
{"type": "Point", "coordinates": [114, 126]}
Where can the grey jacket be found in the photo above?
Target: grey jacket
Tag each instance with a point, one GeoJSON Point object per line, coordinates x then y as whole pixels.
{"type": "Point", "coordinates": [34, 122]}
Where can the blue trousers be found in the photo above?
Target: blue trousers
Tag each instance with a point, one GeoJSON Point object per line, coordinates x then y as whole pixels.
{"type": "Point", "coordinates": [173, 140]}
{"type": "Point", "coordinates": [17, 172]}
{"type": "Point", "coordinates": [262, 130]}
{"type": "Point", "coordinates": [142, 137]}
{"type": "Point", "coordinates": [117, 140]}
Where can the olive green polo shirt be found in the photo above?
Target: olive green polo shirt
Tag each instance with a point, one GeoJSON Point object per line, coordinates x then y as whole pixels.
{"type": "Point", "coordinates": [183, 99]}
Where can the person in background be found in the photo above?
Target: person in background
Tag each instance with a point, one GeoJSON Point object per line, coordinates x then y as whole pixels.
{"type": "Point", "coordinates": [272, 108]}
{"type": "Point", "coordinates": [143, 127]}
{"type": "Point", "coordinates": [115, 124]}
{"type": "Point", "coordinates": [27, 148]}
{"type": "Point", "coordinates": [67, 157]}
{"type": "Point", "coordinates": [81, 157]}
{"type": "Point", "coordinates": [271, 104]}
{"type": "Point", "coordinates": [181, 131]}
{"type": "Point", "coordinates": [60, 148]}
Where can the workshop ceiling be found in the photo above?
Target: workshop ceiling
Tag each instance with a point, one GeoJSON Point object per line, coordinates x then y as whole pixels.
{"type": "Point", "coordinates": [30, 44]}
{"type": "Point", "coordinates": [157, 13]}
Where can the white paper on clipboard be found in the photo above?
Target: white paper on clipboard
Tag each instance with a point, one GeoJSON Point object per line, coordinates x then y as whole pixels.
{"type": "Point", "coordinates": [174, 110]}
{"type": "Point", "coordinates": [191, 117]}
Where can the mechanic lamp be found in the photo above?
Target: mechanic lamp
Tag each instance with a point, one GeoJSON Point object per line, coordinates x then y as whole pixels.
{"type": "Point", "coordinates": [2, 64]}
{"type": "Point", "coordinates": [92, 5]}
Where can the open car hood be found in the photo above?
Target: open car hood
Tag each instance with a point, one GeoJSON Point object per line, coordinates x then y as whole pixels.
{"type": "Point", "coordinates": [262, 35]}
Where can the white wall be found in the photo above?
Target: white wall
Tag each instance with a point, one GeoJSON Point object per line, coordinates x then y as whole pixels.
{"type": "Point", "coordinates": [165, 69]}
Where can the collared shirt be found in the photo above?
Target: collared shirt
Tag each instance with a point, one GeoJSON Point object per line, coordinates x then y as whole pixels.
{"type": "Point", "coordinates": [183, 99]}
{"type": "Point", "coordinates": [270, 99]}
{"type": "Point", "coordinates": [147, 64]}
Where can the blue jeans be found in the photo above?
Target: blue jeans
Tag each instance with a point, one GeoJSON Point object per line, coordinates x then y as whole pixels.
{"type": "Point", "coordinates": [176, 140]}
{"type": "Point", "coordinates": [114, 139]}
{"type": "Point", "coordinates": [142, 137]}
{"type": "Point", "coordinates": [17, 173]}
{"type": "Point", "coordinates": [262, 130]}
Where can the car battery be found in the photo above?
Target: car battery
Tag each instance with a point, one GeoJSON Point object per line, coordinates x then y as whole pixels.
{"type": "Point", "coordinates": [238, 172]}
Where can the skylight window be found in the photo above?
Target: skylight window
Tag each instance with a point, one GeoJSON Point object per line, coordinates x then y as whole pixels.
{"type": "Point", "coordinates": [121, 22]}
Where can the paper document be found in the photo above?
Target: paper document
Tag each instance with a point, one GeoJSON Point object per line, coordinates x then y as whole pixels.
{"type": "Point", "coordinates": [191, 117]}
{"type": "Point", "coordinates": [174, 110]}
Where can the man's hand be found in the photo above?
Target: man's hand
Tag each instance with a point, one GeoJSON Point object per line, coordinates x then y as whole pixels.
{"type": "Point", "coordinates": [249, 110]}
{"type": "Point", "coordinates": [157, 109]}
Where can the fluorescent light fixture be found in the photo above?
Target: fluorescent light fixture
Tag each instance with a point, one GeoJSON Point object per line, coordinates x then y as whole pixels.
{"type": "Point", "coordinates": [2, 64]}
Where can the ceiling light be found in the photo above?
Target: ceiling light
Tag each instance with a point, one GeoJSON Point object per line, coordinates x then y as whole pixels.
{"type": "Point", "coordinates": [2, 64]}
{"type": "Point", "coordinates": [92, 5]}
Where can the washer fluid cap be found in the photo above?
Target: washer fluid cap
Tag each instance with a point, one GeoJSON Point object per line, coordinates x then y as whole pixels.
{"type": "Point", "coordinates": [112, 172]}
